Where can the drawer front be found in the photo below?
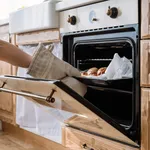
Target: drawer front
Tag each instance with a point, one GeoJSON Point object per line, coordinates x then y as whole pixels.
{"type": "Point", "coordinates": [44, 36]}
{"type": "Point", "coordinates": [78, 140]}
{"type": "Point", "coordinates": [145, 19]}
{"type": "Point", "coordinates": [145, 63]}
{"type": "Point", "coordinates": [145, 119]}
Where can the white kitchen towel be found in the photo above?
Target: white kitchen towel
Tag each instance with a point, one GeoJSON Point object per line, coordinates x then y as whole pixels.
{"type": "Point", "coordinates": [32, 117]}
{"type": "Point", "coordinates": [25, 111]}
{"type": "Point", "coordinates": [118, 68]}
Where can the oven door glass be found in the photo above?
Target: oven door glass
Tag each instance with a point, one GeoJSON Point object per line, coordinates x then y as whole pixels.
{"type": "Point", "coordinates": [68, 107]}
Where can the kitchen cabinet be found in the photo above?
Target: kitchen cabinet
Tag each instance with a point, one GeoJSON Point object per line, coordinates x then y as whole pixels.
{"type": "Point", "coordinates": [145, 77]}
{"type": "Point", "coordinates": [145, 63]}
{"type": "Point", "coordinates": [145, 74]}
{"type": "Point", "coordinates": [78, 140]}
{"type": "Point", "coordinates": [7, 102]}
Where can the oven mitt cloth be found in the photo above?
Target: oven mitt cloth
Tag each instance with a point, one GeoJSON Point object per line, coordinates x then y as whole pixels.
{"type": "Point", "coordinates": [45, 65]}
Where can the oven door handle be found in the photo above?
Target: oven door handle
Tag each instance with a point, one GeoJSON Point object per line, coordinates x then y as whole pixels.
{"type": "Point", "coordinates": [48, 99]}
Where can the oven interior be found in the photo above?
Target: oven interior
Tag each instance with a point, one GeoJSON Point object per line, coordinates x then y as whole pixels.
{"type": "Point", "coordinates": [88, 55]}
{"type": "Point", "coordinates": [117, 103]}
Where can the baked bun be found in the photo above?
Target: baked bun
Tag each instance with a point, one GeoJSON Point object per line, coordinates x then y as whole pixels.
{"type": "Point", "coordinates": [101, 71]}
{"type": "Point", "coordinates": [84, 74]}
{"type": "Point", "coordinates": [92, 71]}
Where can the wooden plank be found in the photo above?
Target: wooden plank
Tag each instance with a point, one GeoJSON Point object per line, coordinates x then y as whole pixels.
{"type": "Point", "coordinates": [64, 136]}
{"type": "Point", "coordinates": [45, 36]}
{"type": "Point", "coordinates": [29, 138]}
{"type": "Point", "coordinates": [145, 19]}
{"type": "Point", "coordinates": [75, 139]}
{"type": "Point", "coordinates": [6, 103]}
{"type": "Point", "coordinates": [6, 144]}
{"type": "Point", "coordinates": [13, 39]}
{"type": "Point", "coordinates": [14, 73]}
{"type": "Point", "coordinates": [145, 119]}
{"type": "Point", "coordinates": [6, 116]}
{"type": "Point", "coordinates": [5, 99]}
{"type": "Point", "coordinates": [145, 63]}
{"type": "Point", "coordinates": [9, 142]}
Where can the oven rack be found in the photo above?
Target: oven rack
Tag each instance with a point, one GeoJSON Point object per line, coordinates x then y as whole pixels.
{"type": "Point", "coordinates": [111, 89]}
{"type": "Point", "coordinates": [94, 60]}
{"type": "Point", "coordinates": [97, 60]}
{"type": "Point", "coordinates": [117, 85]}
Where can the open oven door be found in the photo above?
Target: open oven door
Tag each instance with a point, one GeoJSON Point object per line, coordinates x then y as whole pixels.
{"type": "Point", "coordinates": [83, 115]}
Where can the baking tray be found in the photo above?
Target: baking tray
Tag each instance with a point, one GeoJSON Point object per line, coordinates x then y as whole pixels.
{"type": "Point", "coordinates": [124, 84]}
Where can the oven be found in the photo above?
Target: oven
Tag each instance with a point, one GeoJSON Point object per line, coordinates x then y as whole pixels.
{"type": "Point", "coordinates": [118, 100]}
{"type": "Point", "coordinates": [90, 43]}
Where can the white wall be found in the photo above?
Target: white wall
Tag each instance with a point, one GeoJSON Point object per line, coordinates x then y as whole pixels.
{"type": "Point", "coordinates": [8, 6]}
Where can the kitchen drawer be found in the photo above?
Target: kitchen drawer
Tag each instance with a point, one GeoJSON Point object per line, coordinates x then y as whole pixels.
{"type": "Point", "coordinates": [44, 36]}
{"type": "Point", "coordinates": [145, 119]}
{"type": "Point", "coordinates": [145, 63]}
{"type": "Point", "coordinates": [76, 140]}
{"type": "Point", "coordinates": [145, 19]}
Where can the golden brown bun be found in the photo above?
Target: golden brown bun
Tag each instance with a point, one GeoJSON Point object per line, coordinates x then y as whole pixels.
{"type": "Point", "coordinates": [84, 74]}
{"type": "Point", "coordinates": [92, 71]}
{"type": "Point", "coordinates": [101, 71]}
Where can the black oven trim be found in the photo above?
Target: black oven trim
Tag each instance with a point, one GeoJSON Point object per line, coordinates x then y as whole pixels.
{"type": "Point", "coordinates": [105, 30]}
{"type": "Point", "coordinates": [127, 32]}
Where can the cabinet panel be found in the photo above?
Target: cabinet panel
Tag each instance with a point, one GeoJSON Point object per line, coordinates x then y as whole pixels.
{"type": "Point", "coordinates": [145, 19]}
{"type": "Point", "coordinates": [45, 36]}
{"type": "Point", "coordinates": [6, 100]}
{"type": "Point", "coordinates": [145, 119]}
{"type": "Point", "coordinates": [78, 140]}
{"type": "Point", "coordinates": [145, 63]}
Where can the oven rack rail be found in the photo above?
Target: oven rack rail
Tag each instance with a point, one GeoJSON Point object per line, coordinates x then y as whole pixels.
{"type": "Point", "coordinates": [97, 60]}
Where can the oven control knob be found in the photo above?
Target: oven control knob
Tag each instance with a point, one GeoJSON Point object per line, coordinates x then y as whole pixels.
{"type": "Point", "coordinates": [72, 20]}
{"type": "Point", "coordinates": [112, 12]}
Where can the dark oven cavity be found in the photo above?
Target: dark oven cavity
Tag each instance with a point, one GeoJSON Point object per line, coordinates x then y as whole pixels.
{"type": "Point", "coordinates": [120, 101]}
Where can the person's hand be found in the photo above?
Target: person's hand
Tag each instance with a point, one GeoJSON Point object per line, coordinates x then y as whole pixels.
{"type": "Point", "coordinates": [45, 65]}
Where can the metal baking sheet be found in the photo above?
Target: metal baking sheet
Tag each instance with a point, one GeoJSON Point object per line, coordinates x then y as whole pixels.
{"type": "Point", "coordinates": [125, 83]}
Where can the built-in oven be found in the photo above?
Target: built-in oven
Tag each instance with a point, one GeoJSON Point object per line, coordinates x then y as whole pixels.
{"type": "Point", "coordinates": [118, 99]}
{"type": "Point", "coordinates": [91, 36]}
